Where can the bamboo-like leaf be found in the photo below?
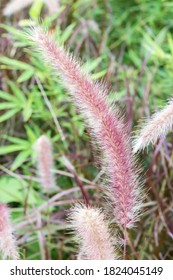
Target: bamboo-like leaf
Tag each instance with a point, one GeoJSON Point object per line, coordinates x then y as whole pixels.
{"type": "Point", "coordinates": [99, 75]}
{"type": "Point", "coordinates": [27, 111]}
{"type": "Point", "coordinates": [91, 65]}
{"type": "Point", "coordinates": [67, 33]}
{"type": "Point", "coordinates": [14, 64]}
{"type": "Point", "coordinates": [31, 135]}
{"type": "Point", "coordinates": [7, 96]}
{"type": "Point", "coordinates": [25, 76]}
{"type": "Point", "coordinates": [19, 94]}
{"type": "Point", "coordinates": [16, 140]}
{"type": "Point", "coordinates": [19, 160]}
{"type": "Point", "coordinates": [11, 148]}
{"type": "Point", "coordinates": [8, 114]}
{"type": "Point", "coordinates": [7, 105]}
{"type": "Point", "coordinates": [35, 10]}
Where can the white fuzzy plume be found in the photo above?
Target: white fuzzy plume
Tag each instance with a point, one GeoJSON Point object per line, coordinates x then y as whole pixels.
{"type": "Point", "coordinates": [44, 153]}
{"type": "Point", "coordinates": [92, 232]}
{"type": "Point", "coordinates": [159, 124]}
{"type": "Point", "coordinates": [15, 6]}
{"type": "Point", "coordinates": [7, 241]}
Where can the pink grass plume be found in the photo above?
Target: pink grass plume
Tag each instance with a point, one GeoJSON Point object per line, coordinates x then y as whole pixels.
{"type": "Point", "coordinates": [7, 240]}
{"type": "Point", "coordinates": [44, 154]}
{"type": "Point", "coordinates": [91, 230]}
{"type": "Point", "coordinates": [159, 124]}
{"type": "Point", "coordinates": [15, 6]}
{"type": "Point", "coordinates": [108, 128]}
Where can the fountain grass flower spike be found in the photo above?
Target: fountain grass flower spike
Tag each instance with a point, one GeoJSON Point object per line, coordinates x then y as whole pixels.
{"type": "Point", "coordinates": [159, 124]}
{"type": "Point", "coordinates": [7, 241]}
{"type": "Point", "coordinates": [15, 6]}
{"type": "Point", "coordinates": [91, 231]}
{"type": "Point", "coordinates": [107, 127]}
{"type": "Point", "coordinates": [43, 149]}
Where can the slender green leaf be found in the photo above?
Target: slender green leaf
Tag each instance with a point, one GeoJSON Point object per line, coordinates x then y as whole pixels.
{"type": "Point", "coordinates": [16, 140]}
{"type": "Point", "coordinates": [35, 10]}
{"type": "Point", "coordinates": [27, 111]}
{"type": "Point", "coordinates": [99, 75]}
{"type": "Point", "coordinates": [25, 76]}
{"type": "Point", "coordinates": [7, 96]}
{"type": "Point", "coordinates": [19, 160]}
{"type": "Point", "coordinates": [67, 33]}
{"type": "Point", "coordinates": [19, 94]}
{"type": "Point", "coordinates": [15, 64]}
{"type": "Point", "coordinates": [11, 148]}
{"type": "Point", "coordinates": [91, 65]}
{"type": "Point", "coordinates": [8, 114]}
{"type": "Point", "coordinates": [7, 105]}
{"type": "Point", "coordinates": [31, 135]}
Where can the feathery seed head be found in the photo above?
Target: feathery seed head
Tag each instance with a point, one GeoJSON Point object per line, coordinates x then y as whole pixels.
{"type": "Point", "coordinates": [7, 240]}
{"type": "Point", "coordinates": [159, 124]}
{"type": "Point", "coordinates": [92, 232]}
{"type": "Point", "coordinates": [107, 128]}
{"type": "Point", "coordinates": [45, 162]}
{"type": "Point", "coordinates": [16, 5]}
